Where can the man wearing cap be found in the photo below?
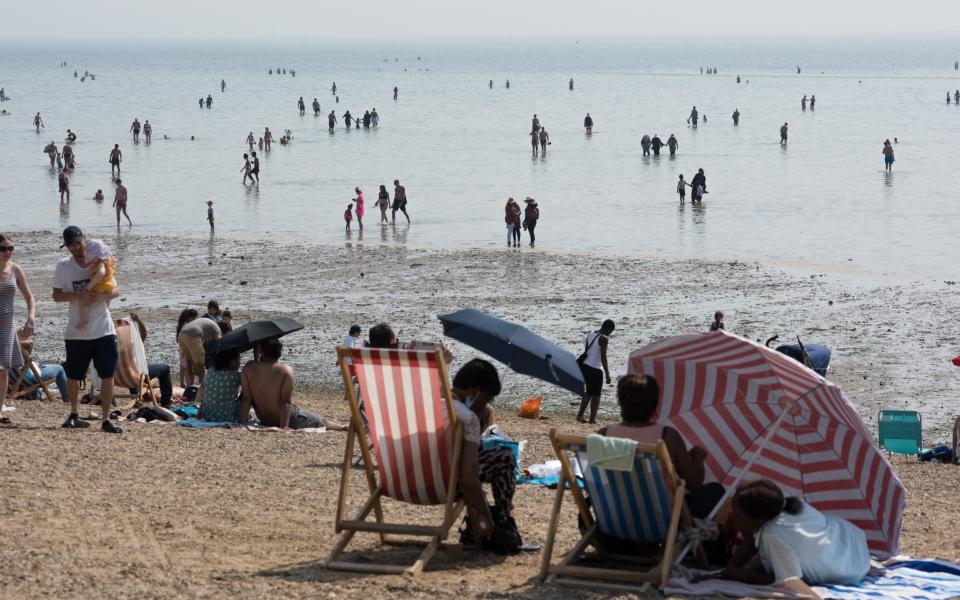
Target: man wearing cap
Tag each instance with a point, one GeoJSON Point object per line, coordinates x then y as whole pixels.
{"type": "Point", "coordinates": [96, 341]}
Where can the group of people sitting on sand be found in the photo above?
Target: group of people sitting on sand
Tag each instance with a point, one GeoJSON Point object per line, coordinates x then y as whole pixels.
{"type": "Point", "coordinates": [777, 537]}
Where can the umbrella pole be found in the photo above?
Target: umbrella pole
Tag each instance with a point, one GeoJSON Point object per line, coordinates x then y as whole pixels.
{"type": "Point", "coordinates": [756, 454]}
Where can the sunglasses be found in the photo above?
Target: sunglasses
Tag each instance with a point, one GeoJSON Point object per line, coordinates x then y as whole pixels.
{"type": "Point", "coordinates": [6, 248]}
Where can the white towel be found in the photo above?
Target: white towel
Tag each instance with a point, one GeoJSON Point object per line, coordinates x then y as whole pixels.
{"type": "Point", "coordinates": [611, 453]}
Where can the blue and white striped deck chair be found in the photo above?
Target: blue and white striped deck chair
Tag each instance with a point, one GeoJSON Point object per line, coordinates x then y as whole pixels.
{"type": "Point", "coordinates": [644, 505]}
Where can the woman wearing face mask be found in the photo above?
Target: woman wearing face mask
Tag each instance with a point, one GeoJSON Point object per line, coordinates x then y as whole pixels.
{"type": "Point", "coordinates": [475, 386]}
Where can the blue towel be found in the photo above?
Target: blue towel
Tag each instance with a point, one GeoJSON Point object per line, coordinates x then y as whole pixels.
{"type": "Point", "coordinates": [926, 580]}
{"type": "Point", "coordinates": [198, 424]}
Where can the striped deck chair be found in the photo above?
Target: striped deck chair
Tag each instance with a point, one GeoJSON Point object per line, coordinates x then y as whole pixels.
{"type": "Point", "coordinates": [416, 440]}
{"type": "Point", "coordinates": [132, 371]}
{"type": "Point", "coordinates": [645, 505]}
{"type": "Point", "coordinates": [27, 380]}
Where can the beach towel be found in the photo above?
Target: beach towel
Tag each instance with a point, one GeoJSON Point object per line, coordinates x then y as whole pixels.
{"type": "Point", "coordinates": [681, 584]}
{"type": "Point", "coordinates": [198, 424]}
{"type": "Point", "coordinates": [922, 580]}
{"type": "Point", "coordinates": [611, 453]}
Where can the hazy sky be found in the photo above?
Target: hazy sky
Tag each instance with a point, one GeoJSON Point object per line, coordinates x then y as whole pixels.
{"type": "Point", "coordinates": [373, 19]}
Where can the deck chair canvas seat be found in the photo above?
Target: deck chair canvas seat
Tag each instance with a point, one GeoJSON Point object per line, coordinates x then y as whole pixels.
{"type": "Point", "coordinates": [900, 431]}
{"type": "Point", "coordinates": [132, 369]}
{"type": "Point", "coordinates": [416, 440]}
{"type": "Point", "coordinates": [644, 505]}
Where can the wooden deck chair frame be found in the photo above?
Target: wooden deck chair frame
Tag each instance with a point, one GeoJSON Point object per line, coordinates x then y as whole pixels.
{"type": "Point", "coordinates": [616, 579]}
{"type": "Point", "coordinates": [347, 528]}
{"type": "Point", "coordinates": [21, 387]}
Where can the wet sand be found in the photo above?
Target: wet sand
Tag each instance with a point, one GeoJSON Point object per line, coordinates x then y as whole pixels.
{"type": "Point", "coordinates": [164, 512]}
{"type": "Point", "coordinates": [892, 342]}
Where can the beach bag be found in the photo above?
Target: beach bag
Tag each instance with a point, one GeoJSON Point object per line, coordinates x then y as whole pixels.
{"type": "Point", "coordinates": [505, 539]}
{"type": "Point", "coordinates": [583, 355]}
{"type": "Point", "coordinates": [530, 408]}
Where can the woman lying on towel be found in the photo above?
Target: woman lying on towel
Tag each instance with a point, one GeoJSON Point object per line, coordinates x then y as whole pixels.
{"type": "Point", "coordinates": [638, 397]}
{"type": "Point", "coordinates": [793, 540]}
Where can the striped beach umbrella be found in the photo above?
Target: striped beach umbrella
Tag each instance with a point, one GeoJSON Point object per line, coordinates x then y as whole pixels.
{"type": "Point", "coordinates": [759, 413]}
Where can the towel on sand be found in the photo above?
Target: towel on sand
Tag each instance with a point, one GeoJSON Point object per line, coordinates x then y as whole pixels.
{"type": "Point", "coordinates": [611, 453]}
{"type": "Point", "coordinates": [897, 579]}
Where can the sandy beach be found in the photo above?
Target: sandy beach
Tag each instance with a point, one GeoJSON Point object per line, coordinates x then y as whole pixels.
{"type": "Point", "coordinates": [162, 511]}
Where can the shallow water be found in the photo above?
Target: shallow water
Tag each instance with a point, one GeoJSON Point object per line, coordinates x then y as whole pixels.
{"type": "Point", "coordinates": [460, 148]}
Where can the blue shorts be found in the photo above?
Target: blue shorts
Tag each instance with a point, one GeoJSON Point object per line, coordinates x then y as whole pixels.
{"type": "Point", "coordinates": [102, 351]}
{"type": "Point", "coordinates": [888, 159]}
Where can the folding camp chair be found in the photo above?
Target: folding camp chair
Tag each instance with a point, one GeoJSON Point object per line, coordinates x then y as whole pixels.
{"type": "Point", "coordinates": [644, 505]}
{"type": "Point", "coordinates": [417, 442]}
{"type": "Point", "coordinates": [27, 380]}
{"type": "Point", "coordinates": [132, 371]}
{"type": "Point", "coordinates": [900, 431]}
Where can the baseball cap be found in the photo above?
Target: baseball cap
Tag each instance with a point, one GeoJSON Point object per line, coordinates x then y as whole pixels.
{"type": "Point", "coordinates": [70, 235]}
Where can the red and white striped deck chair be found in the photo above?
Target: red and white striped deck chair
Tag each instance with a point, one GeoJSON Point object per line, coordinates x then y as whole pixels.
{"type": "Point", "coordinates": [417, 440]}
{"type": "Point", "coordinates": [132, 371]}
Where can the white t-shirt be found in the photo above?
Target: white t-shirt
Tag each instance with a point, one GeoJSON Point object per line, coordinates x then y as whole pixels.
{"type": "Point", "coordinates": [470, 421]}
{"type": "Point", "coordinates": [71, 277]}
{"type": "Point", "coordinates": [350, 342]}
{"type": "Point", "coordinates": [593, 352]}
{"type": "Point", "coordinates": [818, 548]}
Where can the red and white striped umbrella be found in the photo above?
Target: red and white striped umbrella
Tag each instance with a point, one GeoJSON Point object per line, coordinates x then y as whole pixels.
{"type": "Point", "coordinates": [759, 413]}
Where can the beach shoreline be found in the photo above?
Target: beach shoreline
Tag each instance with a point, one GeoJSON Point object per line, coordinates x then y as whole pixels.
{"type": "Point", "coordinates": [888, 351]}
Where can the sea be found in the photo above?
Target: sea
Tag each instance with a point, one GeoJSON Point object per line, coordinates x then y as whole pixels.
{"type": "Point", "coordinates": [821, 203]}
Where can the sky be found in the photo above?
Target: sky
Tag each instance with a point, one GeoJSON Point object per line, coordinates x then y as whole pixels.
{"type": "Point", "coordinates": [321, 20]}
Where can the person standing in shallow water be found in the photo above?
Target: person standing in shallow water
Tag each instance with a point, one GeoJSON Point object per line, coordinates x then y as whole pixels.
{"type": "Point", "coordinates": [147, 130]}
{"type": "Point", "coordinates": [135, 128]}
{"type": "Point", "coordinates": [115, 157]}
{"type": "Point", "coordinates": [736, 116]}
{"type": "Point", "coordinates": [316, 107]}
{"type": "Point", "coordinates": [332, 120]}
{"type": "Point", "coordinates": [694, 117]}
{"type": "Point", "coordinates": [360, 210]}
{"type": "Point", "coordinates": [399, 200]}
{"type": "Point", "coordinates": [120, 202]}
{"type": "Point", "coordinates": [396, 91]}
{"type": "Point", "coordinates": [672, 144]}
{"type": "Point", "coordinates": [783, 135]}
{"type": "Point", "coordinates": [588, 124]}
{"type": "Point", "coordinates": [571, 84]}
{"type": "Point", "coordinates": [383, 203]}
{"type": "Point", "coordinates": [301, 106]}
{"type": "Point", "coordinates": [535, 142]}
{"type": "Point", "coordinates": [256, 167]}
{"type": "Point", "coordinates": [544, 140]}
{"type": "Point", "coordinates": [887, 157]}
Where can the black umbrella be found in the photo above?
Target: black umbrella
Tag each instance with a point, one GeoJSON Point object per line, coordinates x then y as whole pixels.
{"type": "Point", "coordinates": [244, 337]}
{"type": "Point", "coordinates": [515, 346]}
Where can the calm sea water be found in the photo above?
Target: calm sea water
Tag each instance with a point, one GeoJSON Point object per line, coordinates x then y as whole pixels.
{"type": "Point", "coordinates": [461, 148]}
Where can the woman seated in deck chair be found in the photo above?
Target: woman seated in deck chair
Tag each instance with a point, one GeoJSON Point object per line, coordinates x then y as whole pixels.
{"type": "Point", "coordinates": [475, 386]}
{"type": "Point", "coordinates": [638, 397]}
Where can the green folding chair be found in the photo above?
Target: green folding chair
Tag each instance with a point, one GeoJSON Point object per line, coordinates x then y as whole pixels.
{"type": "Point", "coordinates": [900, 431]}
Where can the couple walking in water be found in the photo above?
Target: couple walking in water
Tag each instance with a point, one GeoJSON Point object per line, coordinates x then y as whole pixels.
{"type": "Point", "coordinates": [539, 138]}
{"type": "Point", "coordinates": [531, 214]}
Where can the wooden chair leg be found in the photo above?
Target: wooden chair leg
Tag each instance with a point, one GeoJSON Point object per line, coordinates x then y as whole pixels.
{"type": "Point", "coordinates": [670, 547]}
{"type": "Point", "coordinates": [552, 531]}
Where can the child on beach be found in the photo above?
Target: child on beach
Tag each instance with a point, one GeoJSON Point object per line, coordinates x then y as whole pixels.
{"type": "Point", "coordinates": [348, 215]}
{"type": "Point", "coordinates": [210, 212]}
{"type": "Point", "coordinates": [98, 196]}
{"type": "Point", "coordinates": [718, 323]}
{"type": "Point", "coordinates": [102, 267]}
{"type": "Point", "coordinates": [682, 189]}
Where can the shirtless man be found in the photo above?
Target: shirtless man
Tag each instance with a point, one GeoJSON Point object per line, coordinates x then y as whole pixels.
{"type": "Point", "coordinates": [267, 385]}
{"type": "Point", "coordinates": [115, 157]}
{"type": "Point", "coordinates": [120, 202]}
{"type": "Point", "coordinates": [135, 128]}
{"type": "Point", "coordinates": [374, 118]}
{"type": "Point", "coordinates": [267, 138]}
{"type": "Point", "coordinates": [251, 141]}
{"type": "Point", "coordinates": [38, 123]}
{"type": "Point", "coordinates": [301, 106]}
{"type": "Point", "coordinates": [332, 120]}
{"type": "Point", "coordinates": [316, 107]}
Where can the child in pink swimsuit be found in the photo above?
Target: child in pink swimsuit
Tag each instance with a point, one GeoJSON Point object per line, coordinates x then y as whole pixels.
{"type": "Point", "coordinates": [348, 215]}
